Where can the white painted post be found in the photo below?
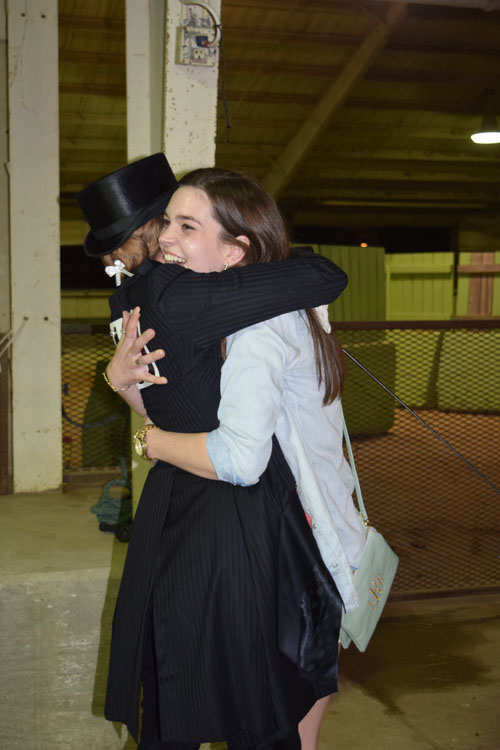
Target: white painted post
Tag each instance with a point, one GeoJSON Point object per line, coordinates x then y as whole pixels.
{"type": "Point", "coordinates": [190, 103]}
{"type": "Point", "coordinates": [145, 23]}
{"type": "Point", "coordinates": [34, 240]}
{"type": "Point", "coordinates": [179, 101]}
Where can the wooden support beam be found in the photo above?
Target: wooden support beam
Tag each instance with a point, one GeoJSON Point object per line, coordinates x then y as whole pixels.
{"type": "Point", "coordinates": [111, 90]}
{"type": "Point", "coordinates": [479, 268]}
{"type": "Point", "coordinates": [446, 47]}
{"type": "Point", "coordinates": [93, 144]}
{"type": "Point", "coordinates": [346, 132]}
{"type": "Point", "coordinates": [269, 151]}
{"type": "Point", "coordinates": [436, 205]}
{"type": "Point", "coordinates": [344, 169]}
{"type": "Point", "coordinates": [304, 6]}
{"type": "Point", "coordinates": [473, 156]}
{"type": "Point", "coordinates": [74, 57]}
{"type": "Point", "coordinates": [109, 164]}
{"type": "Point", "coordinates": [366, 217]}
{"type": "Point", "coordinates": [446, 74]}
{"type": "Point", "coordinates": [93, 118]}
{"type": "Point", "coordinates": [372, 191]}
{"type": "Point", "coordinates": [93, 23]}
{"type": "Point", "coordinates": [298, 148]}
{"type": "Point", "coordinates": [481, 286]}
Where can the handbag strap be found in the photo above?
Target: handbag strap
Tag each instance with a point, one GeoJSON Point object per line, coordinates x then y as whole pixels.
{"type": "Point", "coordinates": [359, 496]}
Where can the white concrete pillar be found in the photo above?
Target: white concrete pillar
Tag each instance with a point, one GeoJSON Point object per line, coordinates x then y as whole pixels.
{"type": "Point", "coordinates": [170, 107]}
{"type": "Point", "coordinates": [34, 240]}
{"type": "Point", "coordinates": [145, 24]}
{"type": "Point", "coordinates": [190, 100]}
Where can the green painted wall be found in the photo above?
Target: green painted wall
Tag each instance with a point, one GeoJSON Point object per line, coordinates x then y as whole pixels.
{"type": "Point", "coordinates": [364, 298]}
{"type": "Point", "coordinates": [419, 286]}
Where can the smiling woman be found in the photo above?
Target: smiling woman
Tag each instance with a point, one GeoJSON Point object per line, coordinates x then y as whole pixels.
{"type": "Point", "coordinates": [197, 606]}
{"type": "Point", "coordinates": [191, 235]}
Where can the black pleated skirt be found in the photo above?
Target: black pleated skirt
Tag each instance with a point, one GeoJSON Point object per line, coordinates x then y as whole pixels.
{"type": "Point", "coordinates": [210, 594]}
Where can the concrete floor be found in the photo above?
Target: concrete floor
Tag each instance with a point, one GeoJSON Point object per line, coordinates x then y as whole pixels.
{"type": "Point", "coordinates": [430, 679]}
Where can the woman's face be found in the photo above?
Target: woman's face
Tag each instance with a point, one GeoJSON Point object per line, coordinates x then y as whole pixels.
{"type": "Point", "coordinates": [191, 236]}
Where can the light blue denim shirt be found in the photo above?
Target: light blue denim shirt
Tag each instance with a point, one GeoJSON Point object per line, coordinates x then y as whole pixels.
{"type": "Point", "coordinates": [269, 385]}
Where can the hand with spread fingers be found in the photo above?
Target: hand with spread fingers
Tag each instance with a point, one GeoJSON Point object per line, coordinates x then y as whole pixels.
{"type": "Point", "coordinates": [129, 364]}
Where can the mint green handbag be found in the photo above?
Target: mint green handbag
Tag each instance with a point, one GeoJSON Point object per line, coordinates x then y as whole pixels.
{"type": "Point", "coordinates": [373, 578]}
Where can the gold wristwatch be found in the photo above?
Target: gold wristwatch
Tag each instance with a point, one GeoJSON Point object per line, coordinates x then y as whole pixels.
{"type": "Point", "coordinates": [140, 445]}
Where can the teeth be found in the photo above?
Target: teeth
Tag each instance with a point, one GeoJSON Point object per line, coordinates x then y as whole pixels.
{"type": "Point", "coordinates": [168, 258]}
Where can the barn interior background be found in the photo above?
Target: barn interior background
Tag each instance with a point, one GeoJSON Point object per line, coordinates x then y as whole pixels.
{"type": "Point", "coordinates": [357, 116]}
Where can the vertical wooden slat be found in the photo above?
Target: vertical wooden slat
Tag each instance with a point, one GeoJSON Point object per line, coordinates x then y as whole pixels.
{"type": "Point", "coordinates": [481, 287]}
{"type": "Point", "coordinates": [463, 282]}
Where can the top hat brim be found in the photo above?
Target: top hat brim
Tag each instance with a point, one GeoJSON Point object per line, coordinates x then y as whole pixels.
{"type": "Point", "coordinates": [96, 247]}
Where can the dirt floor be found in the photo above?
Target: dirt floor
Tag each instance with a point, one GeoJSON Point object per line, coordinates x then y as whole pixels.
{"type": "Point", "coordinates": [441, 518]}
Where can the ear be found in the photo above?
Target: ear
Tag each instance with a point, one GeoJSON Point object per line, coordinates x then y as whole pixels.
{"type": "Point", "coordinates": [235, 253]}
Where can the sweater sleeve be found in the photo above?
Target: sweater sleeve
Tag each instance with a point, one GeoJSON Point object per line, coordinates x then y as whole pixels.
{"type": "Point", "coordinates": [206, 307]}
{"type": "Point", "coordinates": [252, 385]}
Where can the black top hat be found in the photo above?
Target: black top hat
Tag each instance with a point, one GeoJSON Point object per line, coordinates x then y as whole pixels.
{"type": "Point", "coordinates": [121, 202]}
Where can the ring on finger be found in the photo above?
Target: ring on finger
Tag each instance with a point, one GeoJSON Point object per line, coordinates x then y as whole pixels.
{"type": "Point", "coordinates": [138, 363]}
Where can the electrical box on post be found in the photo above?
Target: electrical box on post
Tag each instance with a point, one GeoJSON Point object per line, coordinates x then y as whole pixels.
{"type": "Point", "coordinates": [192, 46]}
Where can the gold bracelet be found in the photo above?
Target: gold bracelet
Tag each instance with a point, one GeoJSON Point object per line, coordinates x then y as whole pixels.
{"type": "Point", "coordinates": [108, 381]}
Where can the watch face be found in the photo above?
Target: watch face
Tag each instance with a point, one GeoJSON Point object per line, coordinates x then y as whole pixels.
{"type": "Point", "coordinates": [138, 446]}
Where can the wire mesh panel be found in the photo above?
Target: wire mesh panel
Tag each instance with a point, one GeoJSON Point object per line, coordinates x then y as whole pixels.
{"type": "Point", "coordinates": [442, 519]}
{"type": "Point", "coordinates": [95, 420]}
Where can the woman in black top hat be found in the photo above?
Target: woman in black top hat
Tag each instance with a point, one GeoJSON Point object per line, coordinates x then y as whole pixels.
{"type": "Point", "coordinates": [124, 201]}
{"type": "Point", "coordinates": [197, 610]}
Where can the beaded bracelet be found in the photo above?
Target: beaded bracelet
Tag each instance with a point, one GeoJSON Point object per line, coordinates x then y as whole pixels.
{"type": "Point", "coordinates": [108, 381]}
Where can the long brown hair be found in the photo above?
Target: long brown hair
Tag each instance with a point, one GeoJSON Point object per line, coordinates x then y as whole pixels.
{"type": "Point", "coordinates": [142, 244]}
{"type": "Point", "coordinates": [242, 207]}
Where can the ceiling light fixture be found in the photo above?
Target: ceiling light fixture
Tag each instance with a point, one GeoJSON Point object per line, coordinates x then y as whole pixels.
{"type": "Point", "coordinates": [489, 131]}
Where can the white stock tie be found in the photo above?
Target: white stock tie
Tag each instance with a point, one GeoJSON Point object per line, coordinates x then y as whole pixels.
{"type": "Point", "coordinates": [116, 270]}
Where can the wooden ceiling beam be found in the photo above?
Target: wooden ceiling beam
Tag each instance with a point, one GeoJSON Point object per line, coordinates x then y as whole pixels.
{"type": "Point", "coordinates": [309, 190]}
{"type": "Point", "coordinates": [342, 169]}
{"type": "Point", "coordinates": [409, 155]}
{"type": "Point", "coordinates": [298, 148]}
{"type": "Point", "coordinates": [342, 7]}
{"type": "Point", "coordinates": [282, 36]}
{"type": "Point", "coordinates": [304, 38]}
{"type": "Point", "coordinates": [341, 151]}
{"type": "Point", "coordinates": [72, 167]}
{"type": "Point", "coordinates": [239, 96]}
{"type": "Point", "coordinates": [435, 205]}
{"type": "Point", "coordinates": [363, 217]}
{"type": "Point", "coordinates": [399, 131]}
{"type": "Point", "coordinates": [93, 23]}
{"type": "Point", "coordinates": [348, 130]}
{"type": "Point", "coordinates": [456, 74]}
{"type": "Point", "coordinates": [112, 90]}
{"type": "Point", "coordinates": [93, 144]}
{"type": "Point", "coordinates": [429, 102]}
{"type": "Point", "coordinates": [74, 57]}
{"type": "Point", "coordinates": [93, 118]}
